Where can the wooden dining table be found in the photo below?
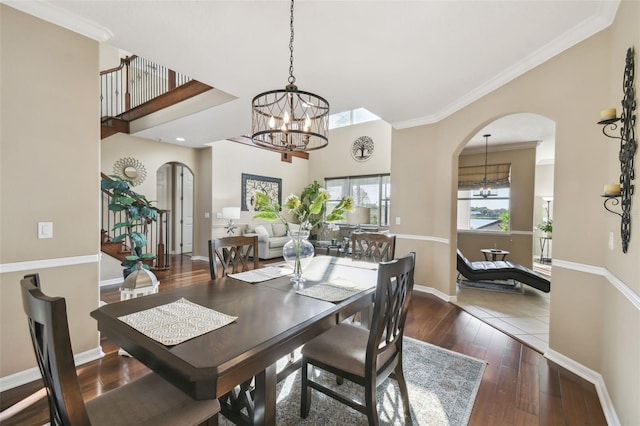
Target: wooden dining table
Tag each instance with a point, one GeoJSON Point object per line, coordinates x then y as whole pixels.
{"type": "Point", "coordinates": [272, 321]}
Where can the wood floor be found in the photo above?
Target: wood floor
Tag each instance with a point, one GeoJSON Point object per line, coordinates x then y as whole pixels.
{"type": "Point", "coordinates": [519, 386]}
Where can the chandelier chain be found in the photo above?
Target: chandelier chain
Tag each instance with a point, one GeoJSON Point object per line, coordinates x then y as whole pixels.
{"type": "Point", "coordinates": [292, 79]}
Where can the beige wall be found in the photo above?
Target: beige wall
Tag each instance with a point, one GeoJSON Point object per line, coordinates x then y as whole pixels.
{"type": "Point", "coordinates": [232, 159]}
{"type": "Point", "coordinates": [594, 298]}
{"type": "Point", "coordinates": [336, 161]}
{"type": "Point", "coordinates": [49, 156]}
{"type": "Point", "coordinates": [519, 240]}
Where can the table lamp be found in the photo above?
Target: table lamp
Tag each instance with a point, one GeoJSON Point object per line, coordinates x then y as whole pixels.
{"type": "Point", "coordinates": [231, 213]}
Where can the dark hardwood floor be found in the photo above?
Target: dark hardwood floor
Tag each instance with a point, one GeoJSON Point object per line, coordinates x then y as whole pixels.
{"type": "Point", "coordinates": [519, 386]}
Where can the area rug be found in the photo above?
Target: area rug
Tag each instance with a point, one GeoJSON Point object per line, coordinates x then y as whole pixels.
{"type": "Point", "coordinates": [442, 389]}
{"type": "Point", "coordinates": [500, 286]}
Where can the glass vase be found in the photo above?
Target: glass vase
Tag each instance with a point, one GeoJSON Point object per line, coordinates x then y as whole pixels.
{"type": "Point", "coordinates": [298, 253]}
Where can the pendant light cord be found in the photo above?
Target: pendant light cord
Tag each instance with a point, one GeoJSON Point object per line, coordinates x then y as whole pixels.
{"type": "Point", "coordinates": [292, 79]}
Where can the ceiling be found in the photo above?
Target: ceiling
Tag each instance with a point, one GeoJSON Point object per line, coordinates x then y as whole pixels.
{"type": "Point", "coordinates": [408, 62]}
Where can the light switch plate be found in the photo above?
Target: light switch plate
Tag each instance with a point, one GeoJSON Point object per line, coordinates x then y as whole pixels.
{"type": "Point", "coordinates": [397, 220]}
{"type": "Point", "coordinates": [45, 230]}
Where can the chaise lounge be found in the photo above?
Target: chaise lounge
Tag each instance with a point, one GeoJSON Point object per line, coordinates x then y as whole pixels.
{"type": "Point", "coordinates": [501, 270]}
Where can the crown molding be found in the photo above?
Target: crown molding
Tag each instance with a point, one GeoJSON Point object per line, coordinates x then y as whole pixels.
{"type": "Point", "coordinates": [56, 15]}
{"type": "Point", "coordinates": [599, 21]}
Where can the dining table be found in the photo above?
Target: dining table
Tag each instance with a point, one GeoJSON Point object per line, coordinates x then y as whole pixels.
{"type": "Point", "coordinates": [267, 315]}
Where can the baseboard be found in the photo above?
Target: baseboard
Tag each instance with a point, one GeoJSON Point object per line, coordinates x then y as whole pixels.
{"type": "Point", "coordinates": [32, 374]}
{"type": "Point", "coordinates": [113, 281]}
{"type": "Point", "coordinates": [203, 258]}
{"type": "Point", "coordinates": [437, 293]}
{"type": "Point", "coordinates": [591, 376]}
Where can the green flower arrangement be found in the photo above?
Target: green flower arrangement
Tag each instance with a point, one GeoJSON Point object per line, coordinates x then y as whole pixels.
{"type": "Point", "coordinates": [308, 209]}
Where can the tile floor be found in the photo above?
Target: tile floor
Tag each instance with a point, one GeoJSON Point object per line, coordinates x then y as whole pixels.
{"type": "Point", "coordinates": [523, 316]}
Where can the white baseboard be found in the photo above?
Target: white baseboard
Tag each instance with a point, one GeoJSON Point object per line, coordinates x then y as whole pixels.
{"type": "Point", "coordinates": [203, 258]}
{"type": "Point", "coordinates": [591, 376]}
{"type": "Point", "coordinates": [32, 374]}
{"type": "Point", "coordinates": [112, 281]}
{"type": "Point", "coordinates": [436, 293]}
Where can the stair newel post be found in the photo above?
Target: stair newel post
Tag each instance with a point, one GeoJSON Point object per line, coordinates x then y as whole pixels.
{"type": "Point", "coordinates": [127, 94]}
{"type": "Point", "coordinates": [160, 259]}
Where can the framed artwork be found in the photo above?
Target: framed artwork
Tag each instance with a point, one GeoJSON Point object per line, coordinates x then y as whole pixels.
{"type": "Point", "coordinates": [252, 183]}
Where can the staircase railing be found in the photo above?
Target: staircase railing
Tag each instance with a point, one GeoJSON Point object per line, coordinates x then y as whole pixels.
{"type": "Point", "coordinates": [135, 81]}
{"type": "Point", "coordinates": [158, 233]}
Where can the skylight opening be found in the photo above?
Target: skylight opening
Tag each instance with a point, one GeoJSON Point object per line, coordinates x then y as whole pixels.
{"type": "Point", "coordinates": [349, 118]}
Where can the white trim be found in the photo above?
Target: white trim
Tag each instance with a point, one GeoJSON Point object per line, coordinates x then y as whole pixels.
{"type": "Point", "coordinates": [591, 376]}
{"type": "Point", "coordinates": [63, 18]}
{"type": "Point", "coordinates": [203, 258]}
{"type": "Point", "coordinates": [437, 293]}
{"type": "Point", "coordinates": [32, 374]}
{"type": "Point", "coordinates": [423, 238]}
{"type": "Point", "coordinates": [112, 281]}
{"type": "Point", "coordinates": [595, 24]}
{"type": "Point", "coordinates": [624, 289]}
{"type": "Point", "coordinates": [48, 263]}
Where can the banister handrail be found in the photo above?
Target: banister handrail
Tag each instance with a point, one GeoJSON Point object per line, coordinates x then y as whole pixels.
{"type": "Point", "coordinates": [123, 62]}
{"type": "Point", "coordinates": [133, 83]}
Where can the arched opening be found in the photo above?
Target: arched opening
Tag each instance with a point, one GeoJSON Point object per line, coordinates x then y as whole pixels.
{"type": "Point", "coordinates": [175, 193]}
{"type": "Point", "coordinates": [503, 223]}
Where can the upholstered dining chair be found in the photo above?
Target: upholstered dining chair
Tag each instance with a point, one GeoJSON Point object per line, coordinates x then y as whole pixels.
{"type": "Point", "coordinates": [235, 254]}
{"type": "Point", "coordinates": [366, 357]}
{"type": "Point", "coordinates": [149, 400]}
{"type": "Point", "coordinates": [373, 246]}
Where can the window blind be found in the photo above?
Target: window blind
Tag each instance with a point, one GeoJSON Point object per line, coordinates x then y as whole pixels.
{"type": "Point", "coordinates": [471, 177]}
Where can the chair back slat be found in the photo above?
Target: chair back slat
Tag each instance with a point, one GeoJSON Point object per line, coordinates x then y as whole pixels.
{"type": "Point", "coordinates": [393, 294]}
{"type": "Point", "coordinates": [235, 254]}
{"type": "Point", "coordinates": [49, 328]}
{"type": "Point", "coordinates": [372, 246]}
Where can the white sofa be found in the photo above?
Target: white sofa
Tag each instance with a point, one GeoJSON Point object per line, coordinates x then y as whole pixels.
{"type": "Point", "coordinates": [271, 237]}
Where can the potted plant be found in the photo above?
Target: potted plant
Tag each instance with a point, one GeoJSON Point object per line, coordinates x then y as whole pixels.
{"type": "Point", "coordinates": [546, 227]}
{"type": "Point", "coordinates": [139, 213]}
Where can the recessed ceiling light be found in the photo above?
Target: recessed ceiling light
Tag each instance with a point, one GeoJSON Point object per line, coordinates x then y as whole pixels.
{"type": "Point", "coordinates": [180, 139]}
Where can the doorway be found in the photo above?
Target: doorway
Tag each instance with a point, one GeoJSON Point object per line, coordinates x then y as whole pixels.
{"type": "Point", "coordinates": [526, 142]}
{"type": "Point", "coordinates": [175, 185]}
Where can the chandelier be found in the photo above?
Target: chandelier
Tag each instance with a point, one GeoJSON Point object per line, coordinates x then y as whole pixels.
{"type": "Point", "coordinates": [290, 119]}
{"type": "Point", "coordinates": [485, 189]}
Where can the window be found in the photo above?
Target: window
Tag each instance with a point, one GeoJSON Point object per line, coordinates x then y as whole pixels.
{"type": "Point", "coordinates": [484, 214]}
{"type": "Point", "coordinates": [371, 196]}
{"type": "Point", "coordinates": [347, 118]}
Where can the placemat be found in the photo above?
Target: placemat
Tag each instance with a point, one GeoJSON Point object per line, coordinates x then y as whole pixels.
{"type": "Point", "coordinates": [176, 322]}
{"type": "Point", "coordinates": [262, 274]}
{"type": "Point", "coordinates": [336, 290]}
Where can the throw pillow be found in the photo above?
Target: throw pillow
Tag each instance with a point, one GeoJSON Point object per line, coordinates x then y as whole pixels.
{"type": "Point", "coordinates": [279, 230]}
{"type": "Point", "coordinates": [263, 234]}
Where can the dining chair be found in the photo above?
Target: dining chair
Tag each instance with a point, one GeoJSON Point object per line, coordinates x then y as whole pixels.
{"type": "Point", "coordinates": [235, 254]}
{"type": "Point", "coordinates": [373, 246]}
{"type": "Point", "coordinates": [365, 357]}
{"type": "Point", "coordinates": [149, 400]}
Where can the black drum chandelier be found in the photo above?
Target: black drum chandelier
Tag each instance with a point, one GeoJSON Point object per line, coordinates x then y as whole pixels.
{"type": "Point", "coordinates": [290, 119]}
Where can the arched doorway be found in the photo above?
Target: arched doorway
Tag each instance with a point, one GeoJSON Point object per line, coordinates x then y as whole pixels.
{"type": "Point", "coordinates": [525, 142]}
{"type": "Point", "coordinates": [175, 193]}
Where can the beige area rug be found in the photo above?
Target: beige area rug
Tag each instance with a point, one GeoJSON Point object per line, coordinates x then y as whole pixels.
{"type": "Point", "coordinates": [524, 316]}
{"type": "Point", "coordinates": [442, 389]}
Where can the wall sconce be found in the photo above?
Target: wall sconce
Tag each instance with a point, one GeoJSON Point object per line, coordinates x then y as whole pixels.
{"type": "Point", "coordinates": [620, 194]}
{"type": "Point", "coordinates": [231, 213]}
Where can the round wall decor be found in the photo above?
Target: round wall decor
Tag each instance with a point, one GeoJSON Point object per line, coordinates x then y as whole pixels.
{"type": "Point", "coordinates": [362, 148]}
{"type": "Point", "coordinates": [130, 169]}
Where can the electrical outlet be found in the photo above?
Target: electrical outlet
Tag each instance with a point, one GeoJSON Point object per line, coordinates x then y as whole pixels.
{"type": "Point", "coordinates": [397, 220]}
{"type": "Point", "coordinates": [206, 215]}
{"type": "Point", "coordinates": [218, 215]}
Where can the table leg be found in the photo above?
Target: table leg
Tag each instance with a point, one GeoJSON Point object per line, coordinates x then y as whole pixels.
{"type": "Point", "coordinates": [265, 397]}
